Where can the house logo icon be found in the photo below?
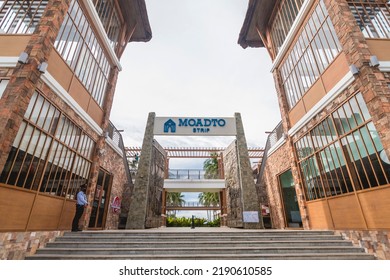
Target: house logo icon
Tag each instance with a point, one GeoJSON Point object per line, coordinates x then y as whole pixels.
{"type": "Point", "coordinates": [169, 125]}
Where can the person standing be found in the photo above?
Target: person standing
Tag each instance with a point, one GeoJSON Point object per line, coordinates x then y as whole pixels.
{"type": "Point", "coordinates": [81, 203]}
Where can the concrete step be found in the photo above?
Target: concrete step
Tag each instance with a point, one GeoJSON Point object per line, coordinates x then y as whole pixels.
{"type": "Point", "coordinates": [191, 239]}
{"type": "Point", "coordinates": [199, 244]}
{"type": "Point", "coordinates": [188, 244]}
{"type": "Point", "coordinates": [199, 251]}
{"type": "Point", "coordinates": [221, 234]}
{"type": "Point", "coordinates": [299, 256]}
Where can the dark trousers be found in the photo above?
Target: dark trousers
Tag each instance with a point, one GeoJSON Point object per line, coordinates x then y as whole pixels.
{"type": "Point", "coordinates": [77, 216]}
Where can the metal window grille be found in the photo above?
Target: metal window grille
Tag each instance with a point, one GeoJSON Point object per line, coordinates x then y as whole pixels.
{"type": "Point", "coordinates": [372, 17]}
{"type": "Point", "coordinates": [20, 17]}
{"type": "Point", "coordinates": [342, 154]}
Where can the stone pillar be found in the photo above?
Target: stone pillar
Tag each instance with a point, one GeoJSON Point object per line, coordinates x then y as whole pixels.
{"type": "Point", "coordinates": [250, 202]}
{"type": "Point", "coordinates": [137, 215]}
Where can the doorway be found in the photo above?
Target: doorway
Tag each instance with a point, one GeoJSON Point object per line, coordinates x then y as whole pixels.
{"type": "Point", "coordinates": [101, 197]}
{"type": "Point", "coordinates": [290, 201]}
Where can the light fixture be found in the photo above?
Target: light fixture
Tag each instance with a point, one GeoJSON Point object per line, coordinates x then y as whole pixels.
{"type": "Point", "coordinates": [23, 57]}
{"type": "Point", "coordinates": [374, 62]}
{"type": "Point", "coordinates": [42, 67]}
{"type": "Point", "coordinates": [354, 70]}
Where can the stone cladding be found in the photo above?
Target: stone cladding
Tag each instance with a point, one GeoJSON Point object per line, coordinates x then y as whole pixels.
{"type": "Point", "coordinates": [375, 242]}
{"type": "Point", "coordinates": [18, 245]}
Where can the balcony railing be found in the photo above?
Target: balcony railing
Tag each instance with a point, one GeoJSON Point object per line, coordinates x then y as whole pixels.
{"type": "Point", "coordinates": [273, 137]}
{"type": "Point", "coordinates": [189, 174]}
{"type": "Point", "coordinates": [192, 204]}
{"type": "Point", "coordinates": [116, 137]}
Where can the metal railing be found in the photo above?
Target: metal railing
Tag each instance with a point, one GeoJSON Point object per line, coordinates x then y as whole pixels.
{"type": "Point", "coordinates": [192, 204]}
{"type": "Point", "coordinates": [273, 137]}
{"type": "Point", "coordinates": [115, 135]}
{"type": "Point", "coordinates": [189, 174]}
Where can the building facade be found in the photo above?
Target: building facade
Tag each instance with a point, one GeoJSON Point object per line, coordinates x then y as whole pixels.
{"type": "Point", "coordinates": [59, 63]}
{"type": "Point", "coordinates": [332, 76]}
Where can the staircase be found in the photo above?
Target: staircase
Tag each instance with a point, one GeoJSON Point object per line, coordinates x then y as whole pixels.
{"type": "Point", "coordinates": [201, 244]}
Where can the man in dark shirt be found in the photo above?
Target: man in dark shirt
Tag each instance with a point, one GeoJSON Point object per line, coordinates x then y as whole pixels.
{"type": "Point", "coordinates": [80, 205]}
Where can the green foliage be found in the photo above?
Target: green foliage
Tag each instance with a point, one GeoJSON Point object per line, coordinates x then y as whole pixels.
{"type": "Point", "coordinates": [209, 198]}
{"type": "Point", "coordinates": [186, 222]}
{"type": "Point", "coordinates": [175, 198]}
{"type": "Point", "coordinates": [211, 167]}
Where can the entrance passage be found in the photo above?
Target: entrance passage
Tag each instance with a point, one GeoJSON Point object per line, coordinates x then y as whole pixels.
{"type": "Point", "coordinates": [290, 202]}
{"type": "Point", "coordinates": [208, 195]}
{"type": "Point", "coordinates": [239, 204]}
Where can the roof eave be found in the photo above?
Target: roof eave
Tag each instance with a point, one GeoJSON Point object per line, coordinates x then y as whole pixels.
{"type": "Point", "coordinates": [256, 20]}
{"type": "Point", "coordinates": [136, 19]}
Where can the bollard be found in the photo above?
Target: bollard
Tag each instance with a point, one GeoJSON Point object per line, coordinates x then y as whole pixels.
{"type": "Point", "coordinates": [192, 222]}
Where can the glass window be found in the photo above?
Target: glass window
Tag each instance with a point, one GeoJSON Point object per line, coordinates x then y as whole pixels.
{"type": "Point", "coordinates": [352, 160]}
{"type": "Point", "coordinates": [45, 160]}
{"type": "Point", "coordinates": [283, 20]}
{"type": "Point", "coordinates": [77, 44]}
{"type": "Point", "coordinates": [20, 17]}
{"type": "Point", "coordinates": [315, 48]}
{"type": "Point", "coordinates": [372, 17]}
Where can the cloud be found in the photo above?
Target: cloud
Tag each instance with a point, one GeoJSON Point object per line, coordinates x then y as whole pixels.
{"type": "Point", "coordinates": [193, 66]}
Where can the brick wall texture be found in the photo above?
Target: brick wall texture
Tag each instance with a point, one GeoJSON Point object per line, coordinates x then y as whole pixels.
{"type": "Point", "coordinates": [373, 84]}
{"type": "Point", "coordinates": [374, 242]}
{"type": "Point", "coordinates": [18, 245]}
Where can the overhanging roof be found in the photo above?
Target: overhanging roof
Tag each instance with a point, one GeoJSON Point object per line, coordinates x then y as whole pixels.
{"type": "Point", "coordinates": [257, 17]}
{"type": "Point", "coordinates": [135, 15]}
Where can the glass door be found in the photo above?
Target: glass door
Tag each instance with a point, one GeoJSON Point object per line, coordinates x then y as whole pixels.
{"type": "Point", "coordinates": [290, 201]}
{"type": "Point", "coordinates": [101, 200]}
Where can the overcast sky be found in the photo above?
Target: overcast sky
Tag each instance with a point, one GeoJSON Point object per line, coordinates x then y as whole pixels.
{"type": "Point", "coordinates": [193, 67]}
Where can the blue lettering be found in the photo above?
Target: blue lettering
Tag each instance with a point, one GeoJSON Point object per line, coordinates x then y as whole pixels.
{"type": "Point", "coordinates": [202, 122]}
{"type": "Point", "coordinates": [221, 122]}
{"type": "Point", "coordinates": [199, 122]}
{"type": "Point", "coordinates": [183, 122]}
{"type": "Point", "coordinates": [191, 122]}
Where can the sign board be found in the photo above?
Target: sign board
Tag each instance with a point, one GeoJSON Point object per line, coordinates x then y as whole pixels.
{"type": "Point", "coordinates": [251, 216]}
{"type": "Point", "coordinates": [184, 126]}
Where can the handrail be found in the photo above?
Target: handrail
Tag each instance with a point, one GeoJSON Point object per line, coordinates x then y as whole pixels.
{"type": "Point", "coordinates": [117, 138]}
{"type": "Point", "coordinates": [273, 137]}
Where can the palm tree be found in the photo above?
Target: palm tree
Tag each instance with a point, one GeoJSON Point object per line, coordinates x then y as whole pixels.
{"type": "Point", "coordinates": [210, 166]}
{"type": "Point", "coordinates": [209, 199]}
{"type": "Point", "coordinates": [175, 199]}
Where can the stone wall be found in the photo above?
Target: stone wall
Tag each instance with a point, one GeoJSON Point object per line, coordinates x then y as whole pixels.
{"type": "Point", "coordinates": [276, 164]}
{"type": "Point", "coordinates": [18, 245]}
{"type": "Point", "coordinates": [113, 163]}
{"type": "Point", "coordinates": [250, 201]}
{"type": "Point", "coordinates": [374, 242]}
{"type": "Point", "coordinates": [138, 202]}
{"type": "Point", "coordinates": [146, 200]}
{"type": "Point", "coordinates": [233, 189]}
{"type": "Point", "coordinates": [156, 186]}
